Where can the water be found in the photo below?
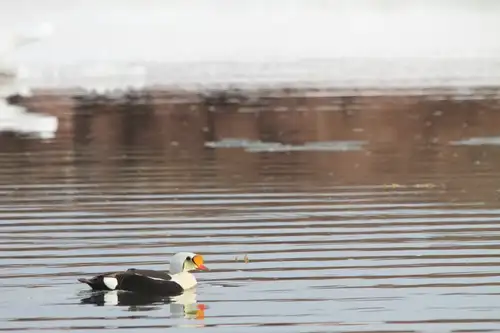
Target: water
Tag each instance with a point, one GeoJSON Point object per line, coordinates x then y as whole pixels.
{"type": "Point", "coordinates": [381, 216]}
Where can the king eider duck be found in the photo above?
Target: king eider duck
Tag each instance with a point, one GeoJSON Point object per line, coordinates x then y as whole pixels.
{"type": "Point", "coordinates": [150, 281]}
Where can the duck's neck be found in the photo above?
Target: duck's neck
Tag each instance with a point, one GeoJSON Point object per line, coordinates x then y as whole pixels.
{"type": "Point", "coordinates": [185, 279]}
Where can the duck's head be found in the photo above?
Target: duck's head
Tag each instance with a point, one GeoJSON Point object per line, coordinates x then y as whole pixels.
{"type": "Point", "coordinates": [186, 261]}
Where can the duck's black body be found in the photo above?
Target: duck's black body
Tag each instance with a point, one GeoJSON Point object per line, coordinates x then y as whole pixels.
{"type": "Point", "coordinates": [136, 280]}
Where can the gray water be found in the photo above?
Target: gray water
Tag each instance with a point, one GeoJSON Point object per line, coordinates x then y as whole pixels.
{"type": "Point", "coordinates": [358, 220]}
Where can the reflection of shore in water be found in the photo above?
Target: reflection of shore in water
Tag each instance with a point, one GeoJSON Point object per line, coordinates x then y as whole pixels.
{"type": "Point", "coordinates": [182, 306]}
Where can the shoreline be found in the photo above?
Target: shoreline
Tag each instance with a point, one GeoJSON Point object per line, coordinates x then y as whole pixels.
{"type": "Point", "coordinates": [213, 113]}
{"type": "Point", "coordinates": [250, 97]}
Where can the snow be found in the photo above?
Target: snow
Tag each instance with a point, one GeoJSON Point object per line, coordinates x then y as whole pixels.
{"type": "Point", "coordinates": [198, 43]}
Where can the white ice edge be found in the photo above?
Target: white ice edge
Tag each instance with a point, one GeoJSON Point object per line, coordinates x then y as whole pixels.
{"type": "Point", "coordinates": [16, 119]}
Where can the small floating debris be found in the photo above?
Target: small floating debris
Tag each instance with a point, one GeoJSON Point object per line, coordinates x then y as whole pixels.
{"type": "Point", "coordinates": [246, 260]}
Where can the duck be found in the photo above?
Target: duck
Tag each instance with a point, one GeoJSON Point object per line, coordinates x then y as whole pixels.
{"type": "Point", "coordinates": [152, 282]}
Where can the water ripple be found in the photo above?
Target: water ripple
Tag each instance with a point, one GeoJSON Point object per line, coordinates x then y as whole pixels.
{"type": "Point", "coordinates": [293, 242]}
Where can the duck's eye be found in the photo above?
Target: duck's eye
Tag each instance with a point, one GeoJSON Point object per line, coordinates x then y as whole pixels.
{"type": "Point", "coordinates": [185, 262]}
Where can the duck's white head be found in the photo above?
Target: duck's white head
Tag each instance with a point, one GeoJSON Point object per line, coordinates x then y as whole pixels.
{"type": "Point", "coordinates": [185, 262]}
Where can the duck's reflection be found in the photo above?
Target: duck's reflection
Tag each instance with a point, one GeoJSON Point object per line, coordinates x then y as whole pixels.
{"type": "Point", "coordinates": [182, 306]}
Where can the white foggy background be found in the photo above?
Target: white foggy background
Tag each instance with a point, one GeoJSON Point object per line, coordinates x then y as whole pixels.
{"type": "Point", "coordinates": [292, 42]}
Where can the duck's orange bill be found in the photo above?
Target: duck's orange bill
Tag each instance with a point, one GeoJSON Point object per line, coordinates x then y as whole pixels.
{"type": "Point", "coordinates": [200, 313]}
{"type": "Point", "coordinates": [198, 261]}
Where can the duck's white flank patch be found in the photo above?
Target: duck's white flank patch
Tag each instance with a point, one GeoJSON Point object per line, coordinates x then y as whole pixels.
{"type": "Point", "coordinates": [110, 282]}
{"type": "Point", "coordinates": [185, 279]}
{"type": "Point", "coordinates": [111, 298]}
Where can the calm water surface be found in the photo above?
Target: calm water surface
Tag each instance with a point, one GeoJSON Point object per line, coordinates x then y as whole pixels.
{"type": "Point", "coordinates": [355, 220]}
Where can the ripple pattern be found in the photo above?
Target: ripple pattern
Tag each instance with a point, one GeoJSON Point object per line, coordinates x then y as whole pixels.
{"type": "Point", "coordinates": [291, 248]}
